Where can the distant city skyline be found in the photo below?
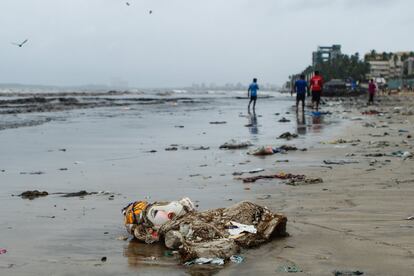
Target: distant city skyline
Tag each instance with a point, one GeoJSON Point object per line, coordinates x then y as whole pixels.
{"type": "Point", "coordinates": [106, 42]}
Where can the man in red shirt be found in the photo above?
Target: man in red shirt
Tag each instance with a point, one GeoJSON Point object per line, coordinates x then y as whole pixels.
{"type": "Point", "coordinates": [316, 85]}
{"type": "Point", "coordinates": [372, 88]}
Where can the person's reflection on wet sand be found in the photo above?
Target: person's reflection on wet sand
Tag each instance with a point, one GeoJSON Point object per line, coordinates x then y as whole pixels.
{"type": "Point", "coordinates": [301, 123]}
{"type": "Point", "coordinates": [317, 123]}
{"type": "Point", "coordinates": [253, 128]}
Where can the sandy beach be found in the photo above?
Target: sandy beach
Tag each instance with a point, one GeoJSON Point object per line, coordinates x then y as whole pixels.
{"type": "Point", "coordinates": [115, 145]}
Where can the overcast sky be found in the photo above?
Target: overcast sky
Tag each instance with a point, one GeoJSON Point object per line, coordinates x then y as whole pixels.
{"type": "Point", "coordinates": [76, 42]}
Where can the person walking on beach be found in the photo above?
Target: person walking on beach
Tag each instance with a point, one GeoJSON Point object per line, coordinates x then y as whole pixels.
{"type": "Point", "coordinates": [252, 92]}
{"type": "Point", "coordinates": [316, 86]}
{"type": "Point", "coordinates": [372, 89]}
{"type": "Point", "coordinates": [301, 87]}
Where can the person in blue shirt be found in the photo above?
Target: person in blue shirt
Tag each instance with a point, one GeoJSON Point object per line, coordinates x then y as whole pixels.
{"type": "Point", "coordinates": [252, 92]}
{"type": "Point", "coordinates": [301, 87]}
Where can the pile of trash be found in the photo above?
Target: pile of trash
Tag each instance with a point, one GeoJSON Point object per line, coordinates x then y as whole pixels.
{"type": "Point", "coordinates": [212, 236]}
{"type": "Point", "coordinates": [233, 144]}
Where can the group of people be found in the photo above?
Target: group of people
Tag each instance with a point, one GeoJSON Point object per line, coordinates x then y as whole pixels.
{"type": "Point", "coordinates": [302, 89]}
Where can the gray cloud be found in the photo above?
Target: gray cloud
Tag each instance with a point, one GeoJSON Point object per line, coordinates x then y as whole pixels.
{"type": "Point", "coordinates": [185, 41]}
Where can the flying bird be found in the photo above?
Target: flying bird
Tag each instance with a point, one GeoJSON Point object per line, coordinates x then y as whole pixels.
{"type": "Point", "coordinates": [20, 44]}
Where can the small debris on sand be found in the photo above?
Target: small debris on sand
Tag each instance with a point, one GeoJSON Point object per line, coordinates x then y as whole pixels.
{"type": "Point", "coordinates": [233, 144]}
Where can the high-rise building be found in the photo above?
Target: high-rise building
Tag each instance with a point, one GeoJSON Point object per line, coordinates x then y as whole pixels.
{"type": "Point", "coordinates": [325, 53]}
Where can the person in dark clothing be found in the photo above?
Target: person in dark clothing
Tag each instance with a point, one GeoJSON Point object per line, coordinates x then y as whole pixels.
{"type": "Point", "coordinates": [372, 89]}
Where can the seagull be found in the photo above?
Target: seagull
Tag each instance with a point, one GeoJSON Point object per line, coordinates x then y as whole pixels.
{"type": "Point", "coordinates": [20, 44]}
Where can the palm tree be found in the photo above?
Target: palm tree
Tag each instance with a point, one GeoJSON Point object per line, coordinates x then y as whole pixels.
{"type": "Point", "coordinates": [395, 59]}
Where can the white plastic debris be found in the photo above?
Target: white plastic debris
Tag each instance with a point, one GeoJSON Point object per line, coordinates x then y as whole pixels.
{"type": "Point", "coordinates": [240, 228]}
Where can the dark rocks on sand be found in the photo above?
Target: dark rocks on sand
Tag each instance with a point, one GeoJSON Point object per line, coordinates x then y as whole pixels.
{"type": "Point", "coordinates": [33, 194]}
{"type": "Point", "coordinates": [80, 193]}
{"type": "Point", "coordinates": [288, 136]}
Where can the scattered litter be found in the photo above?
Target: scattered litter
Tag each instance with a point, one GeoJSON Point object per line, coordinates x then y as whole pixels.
{"type": "Point", "coordinates": [3, 251]}
{"type": "Point", "coordinates": [237, 259]}
{"type": "Point", "coordinates": [282, 161]}
{"type": "Point", "coordinates": [201, 261]}
{"type": "Point", "coordinates": [251, 172]}
{"type": "Point", "coordinates": [238, 228]}
{"type": "Point", "coordinates": [179, 126]}
{"type": "Point", "coordinates": [347, 273]}
{"type": "Point", "coordinates": [77, 194]}
{"type": "Point", "coordinates": [288, 136]}
{"type": "Point", "coordinates": [370, 112]}
{"type": "Point", "coordinates": [263, 197]}
{"type": "Point", "coordinates": [256, 170]}
{"type": "Point", "coordinates": [402, 130]}
{"type": "Point", "coordinates": [233, 144]}
{"type": "Point", "coordinates": [340, 162]}
{"type": "Point", "coordinates": [33, 173]}
{"type": "Point", "coordinates": [269, 150]}
{"type": "Point", "coordinates": [201, 148]}
{"type": "Point", "coordinates": [171, 149]}
{"type": "Point", "coordinates": [264, 150]}
{"type": "Point", "coordinates": [284, 120]}
{"type": "Point", "coordinates": [292, 268]}
{"type": "Point", "coordinates": [122, 238]}
{"type": "Point", "coordinates": [375, 154]}
{"type": "Point", "coordinates": [291, 179]}
{"type": "Point", "coordinates": [403, 154]}
{"type": "Point", "coordinates": [341, 141]}
{"type": "Point", "coordinates": [218, 123]}
{"type": "Point", "coordinates": [410, 218]}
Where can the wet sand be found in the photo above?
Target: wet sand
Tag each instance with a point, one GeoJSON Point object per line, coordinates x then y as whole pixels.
{"type": "Point", "coordinates": [352, 221]}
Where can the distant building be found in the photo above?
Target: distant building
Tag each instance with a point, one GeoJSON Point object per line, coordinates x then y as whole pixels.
{"type": "Point", "coordinates": [409, 66]}
{"type": "Point", "coordinates": [387, 65]}
{"type": "Point", "coordinates": [325, 53]}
